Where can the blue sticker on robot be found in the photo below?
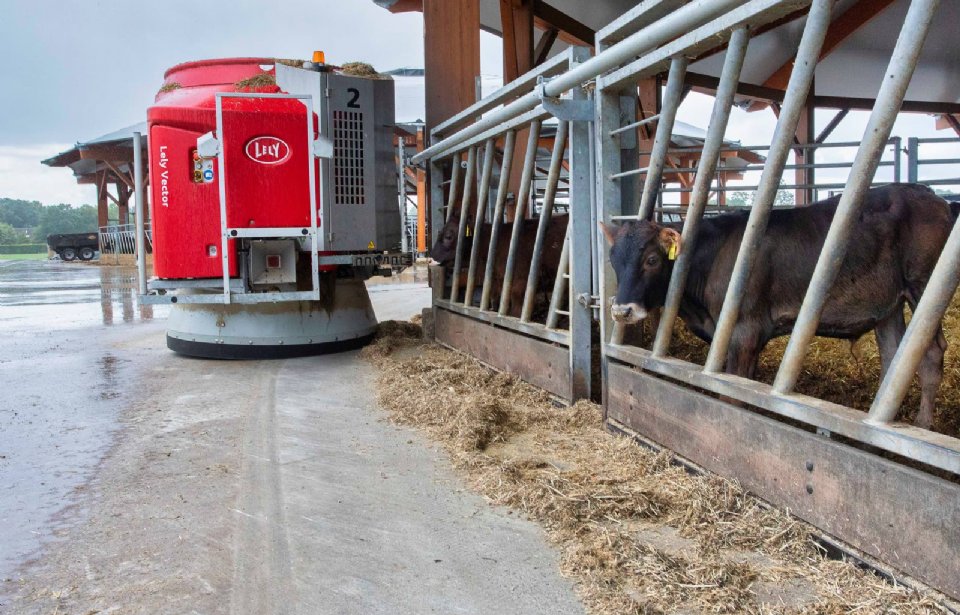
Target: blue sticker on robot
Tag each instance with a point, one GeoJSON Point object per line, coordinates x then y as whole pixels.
{"type": "Point", "coordinates": [208, 175]}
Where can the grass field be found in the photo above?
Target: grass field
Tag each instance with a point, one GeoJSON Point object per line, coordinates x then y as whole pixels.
{"type": "Point", "coordinates": [23, 257]}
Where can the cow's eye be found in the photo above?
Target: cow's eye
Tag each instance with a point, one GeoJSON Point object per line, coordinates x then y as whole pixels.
{"type": "Point", "coordinates": [652, 260]}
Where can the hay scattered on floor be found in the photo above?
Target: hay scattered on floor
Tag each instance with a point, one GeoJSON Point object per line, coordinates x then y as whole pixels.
{"type": "Point", "coordinates": [636, 533]}
{"type": "Point", "coordinates": [361, 69]}
{"type": "Point", "coordinates": [169, 87]}
{"type": "Point", "coordinates": [843, 373]}
{"type": "Point", "coordinates": [258, 81]}
{"type": "Point", "coordinates": [390, 335]}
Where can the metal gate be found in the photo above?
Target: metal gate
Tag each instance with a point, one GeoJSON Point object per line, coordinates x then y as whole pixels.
{"type": "Point", "coordinates": [480, 309]}
{"type": "Point", "coordinates": [889, 490]}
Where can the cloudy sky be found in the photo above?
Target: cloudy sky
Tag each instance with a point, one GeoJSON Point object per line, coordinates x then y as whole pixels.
{"type": "Point", "coordinates": [75, 70]}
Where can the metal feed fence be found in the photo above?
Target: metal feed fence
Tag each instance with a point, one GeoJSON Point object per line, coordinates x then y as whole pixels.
{"type": "Point", "coordinates": [810, 455]}
{"type": "Point", "coordinates": [552, 348]}
{"type": "Point", "coordinates": [122, 238]}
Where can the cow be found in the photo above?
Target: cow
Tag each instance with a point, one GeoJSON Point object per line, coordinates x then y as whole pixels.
{"type": "Point", "coordinates": [444, 253]}
{"type": "Point", "coordinates": [899, 236]}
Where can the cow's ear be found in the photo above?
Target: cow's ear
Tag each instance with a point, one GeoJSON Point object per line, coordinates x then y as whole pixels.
{"type": "Point", "coordinates": [670, 242]}
{"type": "Point", "coordinates": [609, 231]}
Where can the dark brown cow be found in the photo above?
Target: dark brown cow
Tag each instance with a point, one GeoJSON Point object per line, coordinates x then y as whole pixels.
{"type": "Point", "coordinates": [444, 253]}
{"type": "Point", "coordinates": [899, 236]}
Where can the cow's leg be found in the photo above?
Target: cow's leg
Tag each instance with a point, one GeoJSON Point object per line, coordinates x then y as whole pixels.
{"type": "Point", "coordinates": [889, 332]}
{"type": "Point", "coordinates": [931, 374]}
{"type": "Point", "coordinates": [744, 351]}
{"type": "Point", "coordinates": [931, 371]}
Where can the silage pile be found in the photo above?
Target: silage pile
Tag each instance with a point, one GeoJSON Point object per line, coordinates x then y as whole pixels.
{"type": "Point", "coordinates": [636, 532]}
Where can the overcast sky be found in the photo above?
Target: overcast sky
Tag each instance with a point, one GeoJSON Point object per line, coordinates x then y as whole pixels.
{"type": "Point", "coordinates": [75, 70]}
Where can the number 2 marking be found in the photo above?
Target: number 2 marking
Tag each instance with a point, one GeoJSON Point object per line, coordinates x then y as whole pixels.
{"type": "Point", "coordinates": [352, 103]}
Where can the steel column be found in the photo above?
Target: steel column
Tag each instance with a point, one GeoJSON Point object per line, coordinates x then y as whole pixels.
{"type": "Point", "coordinates": [581, 268]}
{"type": "Point", "coordinates": [661, 142]}
{"type": "Point", "coordinates": [505, 164]}
{"type": "Point", "coordinates": [139, 211]}
{"type": "Point", "coordinates": [818, 20]}
{"type": "Point", "coordinates": [526, 182]}
{"type": "Point", "coordinates": [454, 183]}
{"type": "Point", "coordinates": [464, 215]}
{"type": "Point", "coordinates": [889, 98]}
{"type": "Point", "coordinates": [482, 192]}
{"type": "Point", "coordinates": [913, 159]}
{"type": "Point", "coordinates": [729, 78]}
{"type": "Point", "coordinates": [546, 214]}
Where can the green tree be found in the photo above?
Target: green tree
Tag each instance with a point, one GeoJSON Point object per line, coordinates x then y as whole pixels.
{"type": "Point", "coordinates": [19, 213]}
{"type": "Point", "coordinates": [9, 235]}
{"type": "Point", "coordinates": [63, 218]}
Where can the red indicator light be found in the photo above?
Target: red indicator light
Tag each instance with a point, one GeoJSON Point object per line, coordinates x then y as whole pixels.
{"type": "Point", "coordinates": [273, 261]}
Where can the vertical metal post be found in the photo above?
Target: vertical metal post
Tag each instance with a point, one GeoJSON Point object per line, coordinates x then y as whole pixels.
{"type": "Point", "coordinates": [923, 326]}
{"type": "Point", "coordinates": [913, 159]}
{"type": "Point", "coordinates": [464, 215]}
{"type": "Point", "coordinates": [436, 218]}
{"type": "Point", "coordinates": [546, 214]}
{"type": "Point", "coordinates": [526, 181]}
{"type": "Point", "coordinates": [454, 185]}
{"type": "Point", "coordinates": [889, 99]}
{"type": "Point", "coordinates": [140, 241]}
{"type": "Point", "coordinates": [897, 170]}
{"type": "Point", "coordinates": [402, 193]}
{"type": "Point", "coordinates": [733, 63]}
{"type": "Point", "coordinates": [482, 193]}
{"type": "Point", "coordinates": [795, 100]}
{"type": "Point", "coordinates": [580, 231]}
{"type": "Point", "coordinates": [661, 143]}
{"type": "Point", "coordinates": [506, 163]}
{"type": "Point", "coordinates": [560, 283]}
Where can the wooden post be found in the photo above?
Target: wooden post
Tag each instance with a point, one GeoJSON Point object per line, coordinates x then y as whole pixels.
{"type": "Point", "coordinates": [451, 33]}
{"type": "Point", "coordinates": [123, 203]}
{"type": "Point", "coordinates": [516, 20]}
{"type": "Point", "coordinates": [103, 215]}
{"type": "Point", "coordinates": [451, 37]}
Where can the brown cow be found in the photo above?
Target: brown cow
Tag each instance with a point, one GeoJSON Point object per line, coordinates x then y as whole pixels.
{"type": "Point", "coordinates": [899, 236]}
{"type": "Point", "coordinates": [444, 253]}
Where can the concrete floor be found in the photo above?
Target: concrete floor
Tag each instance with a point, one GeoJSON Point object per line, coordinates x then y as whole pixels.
{"type": "Point", "coordinates": [135, 480]}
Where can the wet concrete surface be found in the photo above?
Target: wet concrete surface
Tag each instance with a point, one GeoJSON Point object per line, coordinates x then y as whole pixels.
{"type": "Point", "coordinates": [62, 388]}
{"type": "Point", "coordinates": [136, 480]}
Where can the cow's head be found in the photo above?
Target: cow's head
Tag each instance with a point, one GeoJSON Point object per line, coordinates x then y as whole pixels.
{"type": "Point", "coordinates": [642, 255]}
{"type": "Point", "coordinates": [444, 250]}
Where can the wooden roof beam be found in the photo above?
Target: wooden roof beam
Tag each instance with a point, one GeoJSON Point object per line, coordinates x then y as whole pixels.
{"type": "Point", "coordinates": [570, 30]}
{"type": "Point", "coordinates": [840, 29]}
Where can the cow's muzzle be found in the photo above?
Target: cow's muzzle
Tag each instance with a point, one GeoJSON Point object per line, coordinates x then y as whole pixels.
{"type": "Point", "coordinates": [628, 313]}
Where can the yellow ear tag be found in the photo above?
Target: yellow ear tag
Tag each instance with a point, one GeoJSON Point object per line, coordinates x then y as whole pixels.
{"type": "Point", "coordinates": [672, 252]}
{"type": "Point", "coordinates": [468, 231]}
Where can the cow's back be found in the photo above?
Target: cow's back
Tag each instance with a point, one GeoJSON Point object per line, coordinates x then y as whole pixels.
{"type": "Point", "coordinates": [894, 246]}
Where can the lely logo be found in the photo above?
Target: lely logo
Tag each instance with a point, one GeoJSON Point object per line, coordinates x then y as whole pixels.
{"type": "Point", "coordinates": [267, 150]}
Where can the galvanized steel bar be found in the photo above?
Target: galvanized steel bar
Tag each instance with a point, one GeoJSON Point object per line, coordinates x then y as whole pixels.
{"type": "Point", "coordinates": [643, 122]}
{"type": "Point", "coordinates": [520, 208]}
{"type": "Point", "coordinates": [661, 142]}
{"type": "Point", "coordinates": [923, 326]}
{"type": "Point", "coordinates": [903, 61]}
{"type": "Point", "coordinates": [546, 214]}
{"type": "Point", "coordinates": [464, 220]}
{"type": "Point", "coordinates": [560, 283]}
{"type": "Point", "coordinates": [913, 159]}
{"type": "Point", "coordinates": [139, 210]}
{"type": "Point", "coordinates": [505, 167]}
{"type": "Point", "coordinates": [436, 220]}
{"type": "Point", "coordinates": [818, 20]}
{"type": "Point", "coordinates": [729, 78]}
{"type": "Point", "coordinates": [676, 23]}
{"type": "Point", "coordinates": [453, 187]}
{"type": "Point", "coordinates": [482, 193]}
{"type": "Point", "coordinates": [897, 145]}
{"type": "Point", "coordinates": [582, 175]}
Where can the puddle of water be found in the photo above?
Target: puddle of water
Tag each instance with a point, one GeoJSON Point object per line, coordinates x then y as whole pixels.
{"type": "Point", "coordinates": [63, 387]}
